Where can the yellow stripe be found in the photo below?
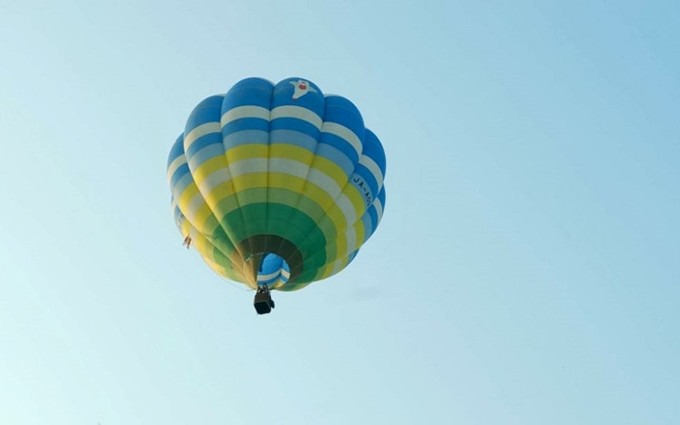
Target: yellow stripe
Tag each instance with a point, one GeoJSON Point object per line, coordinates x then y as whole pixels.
{"type": "Point", "coordinates": [247, 151]}
{"type": "Point", "coordinates": [218, 194]}
{"type": "Point", "coordinates": [356, 199]}
{"type": "Point", "coordinates": [286, 181]}
{"type": "Point", "coordinates": [206, 247]}
{"type": "Point", "coordinates": [360, 232]}
{"type": "Point", "coordinates": [207, 168]}
{"type": "Point", "coordinates": [199, 216]}
{"type": "Point", "coordinates": [330, 169]}
{"type": "Point", "coordinates": [333, 222]}
{"type": "Point", "coordinates": [323, 165]}
{"type": "Point", "coordinates": [286, 151]}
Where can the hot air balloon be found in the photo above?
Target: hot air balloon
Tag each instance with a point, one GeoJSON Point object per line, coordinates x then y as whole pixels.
{"type": "Point", "coordinates": [276, 185]}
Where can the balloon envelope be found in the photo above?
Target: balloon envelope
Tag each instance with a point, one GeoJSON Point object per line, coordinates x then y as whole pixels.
{"type": "Point", "coordinates": [276, 185]}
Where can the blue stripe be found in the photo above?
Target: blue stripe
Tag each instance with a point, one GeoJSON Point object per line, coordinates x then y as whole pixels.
{"type": "Point", "coordinates": [206, 111]}
{"type": "Point", "coordinates": [368, 226]}
{"type": "Point", "coordinates": [382, 197]}
{"type": "Point", "coordinates": [337, 157]}
{"type": "Point", "coordinates": [203, 141]}
{"type": "Point", "coordinates": [295, 124]}
{"type": "Point", "coordinates": [369, 178]}
{"type": "Point", "coordinates": [374, 150]}
{"type": "Point", "coordinates": [205, 154]}
{"type": "Point", "coordinates": [271, 264]}
{"type": "Point", "coordinates": [340, 110]}
{"type": "Point", "coordinates": [292, 137]}
{"type": "Point", "coordinates": [342, 145]}
{"type": "Point", "coordinates": [245, 124]}
{"type": "Point", "coordinates": [177, 213]}
{"type": "Point", "coordinates": [249, 91]}
{"type": "Point", "coordinates": [246, 137]}
{"type": "Point", "coordinates": [177, 149]}
{"type": "Point", "coordinates": [178, 216]}
{"type": "Point", "coordinates": [372, 215]}
{"type": "Point", "coordinates": [180, 172]}
{"type": "Point", "coordinates": [182, 183]}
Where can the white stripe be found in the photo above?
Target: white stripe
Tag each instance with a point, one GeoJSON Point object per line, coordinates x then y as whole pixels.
{"type": "Point", "coordinates": [324, 182]}
{"type": "Point", "coordinates": [200, 131]}
{"type": "Point", "coordinates": [291, 111]}
{"type": "Point", "coordinates": [368, 162]}
{"type": "Point", "coordinates": [378, 209]}
{"type": "Point", "coordinates": [194, 205]}
{"type": "Point", "coordinates": [215, 179]}
{"type": "Point", "coordinates": [345, 205]}
{"type": "Point", "coordinates": [261, 276]}
{"type": "Point", "coordinates": [246, 166]}
{"type": "Point", "coordinates": [180, 219]}
{"type": "Point", "coordinates": [351, 236]}
{"type": "Point", "coordinates": [344, 133]}
{"type": "Point", "coordinates": [225, 175]}
{"type": "Point", "coordinates": [273, 165]}
{"type": "Point", "coordinates": [287, 166]}
{"type": "Point", "coordinates": [175, 164]}
{"type": "Point", "coordinates": [248, 111]}
{"type": "Point", "coordinates": [319, 179]}
{"type": "Point", "coordinates": [337, 266]}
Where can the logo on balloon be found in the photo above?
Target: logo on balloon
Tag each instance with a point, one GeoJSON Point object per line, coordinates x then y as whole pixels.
{"type": "Point", "coordinates": [302, 87]}
{"type": "Point", "coordinates": [365, 191]}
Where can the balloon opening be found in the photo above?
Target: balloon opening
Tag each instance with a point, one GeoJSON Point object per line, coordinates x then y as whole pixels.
{"type": "Point", "coordinates": [273, 271]}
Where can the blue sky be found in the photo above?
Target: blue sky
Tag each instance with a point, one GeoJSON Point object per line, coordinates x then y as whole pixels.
{"type": "Point", "coordinates": [525, 272]}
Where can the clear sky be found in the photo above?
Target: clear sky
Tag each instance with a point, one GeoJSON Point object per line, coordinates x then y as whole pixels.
{"type": "Point", "coordinates": [526, 270]}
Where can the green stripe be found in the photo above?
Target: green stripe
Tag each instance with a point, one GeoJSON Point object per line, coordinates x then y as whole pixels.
{"type": "Point", "coordinates": [298, 228]}
{"type": "Point", "coordinates": [252, 219]}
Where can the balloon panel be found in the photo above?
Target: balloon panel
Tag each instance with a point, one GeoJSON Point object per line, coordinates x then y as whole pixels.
{"type": "Point", "coordinates": [276, 185]}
